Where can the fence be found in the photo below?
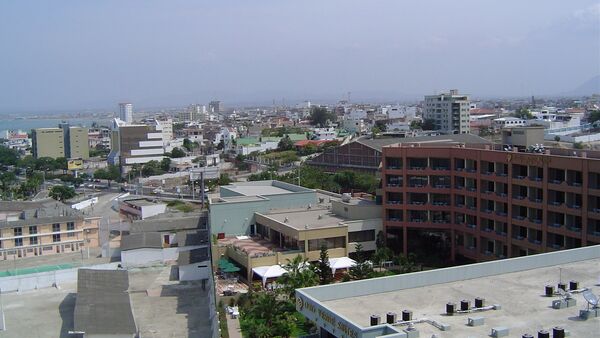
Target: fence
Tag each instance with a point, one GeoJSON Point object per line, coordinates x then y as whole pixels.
{"type": "Point", "coordinates": [33, 281]}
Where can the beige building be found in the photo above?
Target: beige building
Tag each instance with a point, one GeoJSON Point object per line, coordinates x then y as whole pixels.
{"type": "Point", "coordinates": [64, 141]}
{"type": "Point", "coordinates": [43, 228]}
{"type": "Point", "coordinates": [285, 233]}
{"type": "Point", "coordinates": [449, 111]}
{"type": "Point", "coordinates": [77, 143]}
{"type": "Point", "coordinates": [48, 142]}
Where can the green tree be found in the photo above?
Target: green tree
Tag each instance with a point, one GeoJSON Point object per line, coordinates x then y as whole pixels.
{"type": "Point", "coordinates": [428, 124]}
{"type": "Point", "coordinates": [189, 145]}
{"type": "Point", "coordinates": [152, 168]}
{"type": "Point", "coordinates": [110, 173]}
{"type": "Point", "coordinates": [60, 163]}
{"type": "Point", "coordinates": [264, 315]}
{"type": "Point", "coordinates": [26, 162]}
{"type": "Point", "coordinates": [557, 138]}
{"type": "Point", "coordinates": [62, 193]}
{"type": "Point", "coordinates": [362, 268]}
{"type": "Point", "coordinates": [285, 144]}
{"type": "Point", "coordinates": [7, 180]}
{"type": "Point", "coordinates": [381, 125]}
{"type": "Point", "coordinates": [165, 164]}
{"type": "Point", "coordinates": [578, 145]}
{"type": "Point", "coordinates": [594, 116]}
{"type": "Point", "coordinates": [297, 276]}
{"type": "Point", "coordinates": [8, 156]}
{"type": "Point", "coordinates": [416, 125]}
{"type": "Point", "coordinates": [523, 113]}
{"type": "Point", "coordinates": [323, 268]}
{"type": "Point", "coordinates": [319, 116]}
{"type": "Point", "coordinates": [177, 153]}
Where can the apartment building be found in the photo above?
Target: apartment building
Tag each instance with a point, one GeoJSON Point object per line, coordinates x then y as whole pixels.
{"type": "Point", "coordinates": [488, 202]}
{"type": "Point", "coordinates": [449, 111]}
{"type": "Point", "coordinates": [44, 228]}
{"type": "Point", "coordinates": [76, 141]}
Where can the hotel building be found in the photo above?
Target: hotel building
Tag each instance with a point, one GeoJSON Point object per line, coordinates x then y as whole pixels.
{"type": "Point", "coordinates": [491, 201]}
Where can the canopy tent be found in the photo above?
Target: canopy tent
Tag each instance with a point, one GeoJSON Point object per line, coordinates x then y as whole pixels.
{"type": "Point", "coordinates": [230, 268]}
{"type": "Point", "coordinates": [272, 271]}
{"type": "Point", "coordinates": [341, 263]}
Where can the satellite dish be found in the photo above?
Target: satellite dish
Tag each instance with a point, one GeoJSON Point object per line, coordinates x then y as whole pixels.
{"type": "Point", "coordinates": [591, 298]}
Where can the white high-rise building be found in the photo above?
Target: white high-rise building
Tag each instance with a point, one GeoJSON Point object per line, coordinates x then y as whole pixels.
{"type": "Point", "coordinates": [126, 112]}
{"type": "Point", "coordinates": [449, 111]}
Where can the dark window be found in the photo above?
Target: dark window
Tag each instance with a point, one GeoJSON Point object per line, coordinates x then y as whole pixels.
{"type": "Point", "coordinates": [361, 236]}
{"type": "Point", "coordinates": [331, 243]}
{"type": "Point", "coordinates": [56, 227]}
{"type": "Point", "coordinates": [56, 238]}
{"type": "Point", "coordinates": [18, 231]}
{"type": "Point", "coordinates": [70, 227]}
{"type": "Point", "coordinates": [33, 240]}
{"type": "Point", "coordinates": [18, 241]}
{"type": "Point", "coordinates": [33, 230]}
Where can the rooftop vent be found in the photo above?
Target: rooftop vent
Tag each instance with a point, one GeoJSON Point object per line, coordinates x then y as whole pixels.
{"type": "Point", "coordinates": [346, 197]}
{"type": "Point", "coordinates": [285, 220]}
{"type": "Point", "coordinates": [305, 226]}
{"type": "Point", "coordinates": [320, 216]}
{"type": "Point", "coordinates": [375, 320]}
{"type": "Point", "coordinates": [309, 206]}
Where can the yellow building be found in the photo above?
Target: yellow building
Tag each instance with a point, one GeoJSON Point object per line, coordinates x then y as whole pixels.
{"type": "Point", "coordinates": [48, 142]}
{"type": "Point", "coordinates": [43, 228]}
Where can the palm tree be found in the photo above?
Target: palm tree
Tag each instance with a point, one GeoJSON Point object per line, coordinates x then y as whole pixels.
{"type": "Point", "coordinates": [297, 276]}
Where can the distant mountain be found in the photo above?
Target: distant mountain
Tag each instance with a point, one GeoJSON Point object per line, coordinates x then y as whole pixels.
{"type": "Point", "coordinates": [589, 87]}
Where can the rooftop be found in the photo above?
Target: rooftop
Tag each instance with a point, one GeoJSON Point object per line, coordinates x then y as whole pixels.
{"type": "Point", "coordinates": [140, 240]}
{"type": "Point", "coordinates": [170, 222]}
{"type": "Point", "coordinates": [301, 219]}
{"type": "Point", "coordinates": [103, 305]}
{"type": "Point", "coordinates": [262, 188]}
{"type": "Point", "coordinates": [379, 143]}
{"type": "Point", "coordinates": [16, 213]}
{"type": "Point", "coordinates": [516, 284]}
{"type": "Point", "coordinates": [141, 202]}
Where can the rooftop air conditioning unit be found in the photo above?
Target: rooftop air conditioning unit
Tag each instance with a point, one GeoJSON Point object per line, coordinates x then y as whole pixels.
{"type": "Point", "coordinates": [346, 197]}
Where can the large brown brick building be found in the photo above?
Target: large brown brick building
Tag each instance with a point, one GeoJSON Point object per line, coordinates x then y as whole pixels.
{"type": "Point", "coordinates": [491, 203]}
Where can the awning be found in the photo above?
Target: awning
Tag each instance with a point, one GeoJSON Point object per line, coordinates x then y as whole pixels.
{"type": "Point", "coordinates": [341, 263]}
{"type": "Point", "coordinates": [272, 271]}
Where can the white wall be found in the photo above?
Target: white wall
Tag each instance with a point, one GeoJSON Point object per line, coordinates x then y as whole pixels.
{"type": "Point", "coordinates": [194, 271]}
{"type": "Point", "coordinates": [369, 224]}
{"type": "Point", "coordinates": [85, 204]}
{"type": "Point", "coordinates": [141, 257]}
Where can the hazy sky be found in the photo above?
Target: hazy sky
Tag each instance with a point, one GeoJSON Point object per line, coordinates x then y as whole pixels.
{"type": "Point", "coordinates": [92, 54]}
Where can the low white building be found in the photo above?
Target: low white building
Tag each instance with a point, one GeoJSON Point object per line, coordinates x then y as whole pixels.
{"type": "Point", "coordinates": [142, 208]}
{"type": "Point", "coordinates": [327, 133]}
{"type": "Point", "coordinates": [260, 147]}
{"type": "Point", "coordinates": [508, 122]}
{"type": "Point", "coordinates": [354, 125]}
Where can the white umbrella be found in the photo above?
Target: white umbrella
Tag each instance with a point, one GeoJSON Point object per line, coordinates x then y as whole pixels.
{"type": "Point", "coordinates": [272, 271]}
{"type": "Point", "coordinates": [341, 263]}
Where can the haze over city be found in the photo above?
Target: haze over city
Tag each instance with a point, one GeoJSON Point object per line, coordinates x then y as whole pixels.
{"type": "Point", "coordinates": [79, 55]}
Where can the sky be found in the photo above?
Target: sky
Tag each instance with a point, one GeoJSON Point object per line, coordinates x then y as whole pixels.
{"type": "Point", "coordinates": [69, 55]}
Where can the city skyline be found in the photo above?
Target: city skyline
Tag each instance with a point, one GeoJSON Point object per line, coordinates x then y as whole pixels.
{"type": "Point", "coordinates": [78, 56]}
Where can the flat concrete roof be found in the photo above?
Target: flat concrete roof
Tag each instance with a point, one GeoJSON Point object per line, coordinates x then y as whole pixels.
{"type": "Point", "coordinates": [525, 309]}
{"type": "Point", "coordinates": [142, 202]}
{"type": "Point", "coordinates": [300, 218]}
{"type": "Point", "coordinates": [255, 190]}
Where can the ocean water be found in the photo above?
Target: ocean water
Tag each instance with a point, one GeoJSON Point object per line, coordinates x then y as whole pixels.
{"type": "Point", "coordinates": [28, 124]}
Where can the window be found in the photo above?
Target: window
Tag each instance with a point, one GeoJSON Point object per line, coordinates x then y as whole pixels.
{"type": "Point", "coordinates": [56, 238]}
{"type": "Point", "coordinates": [18, 241]}
{"type": "Point", "coordinates": [33, 230]}
{"type": "Point", "coordinates": [33, 240]}
{"type": "Point", "coordinates": [18, 231]}
{"type": "Point", "coordinates": [361, 236]}
{"type": "Point", "coordinates": [56, 227]}
{"type": "Point", "coordinates": [331, 243]}
{"type": "Point", "coordinates": [70, 227]}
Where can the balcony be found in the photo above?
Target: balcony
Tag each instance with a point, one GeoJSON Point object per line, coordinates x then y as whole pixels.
{"type": "Point", "coordinates": [556, 225]}
{"type": "Point", "coordinates": [501, 194]}
{"type": "Point", "coordinates": [535, 200]}
{"type": "Point", "coordinates": [574, 228]}
{"type": "Point", "coordinates": [574, 206]}
{"type": "Point", "coordinates": [471, 226]}
{"type": "Point", "coordinates": [535, 220]}
{"type": "Point", "coordinates": [394, 202]}
{"type": "Point", "coordinates": [535, 178]}
{"type": "Point", "coordinates": [501, 213]}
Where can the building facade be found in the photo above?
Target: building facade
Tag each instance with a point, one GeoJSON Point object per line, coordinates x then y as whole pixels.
{"type": "Point", "coordinates": [135, 144]}
{"type": "Point", "coordinates": [491, 203]}
{"type": "Point", "coordinates": [48, 142]}
{"type": "Point", "coordinates": [126, 112]}
{"type": "Point", "coordinates": [449, 111]}
{"type": "Point", "coordinates": [42, 228]}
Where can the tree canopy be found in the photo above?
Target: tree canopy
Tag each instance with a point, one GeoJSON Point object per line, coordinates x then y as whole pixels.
{"type": "Point", "coordinates": [62, 193]}
{"type": "Point", "coordinates": [320, 115]}
{"type": "Point", "coordinates": [177, 153]}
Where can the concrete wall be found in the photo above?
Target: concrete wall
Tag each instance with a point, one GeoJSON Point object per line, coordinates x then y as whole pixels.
{"type": "Point", "coordinates": [84, 204]}
{"type": "Point", "coordinates": [447, 275]}
{"type": "Point", "coordinates": [375, 224]}
{"type": "Point", "coordinates": [356, 211]}
{"type": "Point", "coordinates": [196, 271]}
{"type": "Point", "coordinates": [45, 279]}
{"type": "Point", "coordinates": [141, 257]}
